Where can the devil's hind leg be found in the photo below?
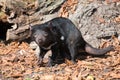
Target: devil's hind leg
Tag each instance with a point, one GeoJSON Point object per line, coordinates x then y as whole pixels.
{"type": "Point", "coordinates": [73, 52]}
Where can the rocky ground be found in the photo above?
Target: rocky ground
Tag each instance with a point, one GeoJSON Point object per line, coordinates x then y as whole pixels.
{"type": "Point", "coordinates": [18, 62]}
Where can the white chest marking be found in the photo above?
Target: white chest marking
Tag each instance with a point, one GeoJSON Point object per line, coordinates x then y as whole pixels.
{"type": "Point", "coordinates": [62, 38]}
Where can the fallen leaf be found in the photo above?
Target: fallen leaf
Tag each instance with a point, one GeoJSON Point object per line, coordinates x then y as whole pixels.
{"type": "Point", "coordinates": [68, 69]}
{"type": "Point", "coordinates": [68, 6]}
{"type": "Point", "coordinates": [16, 75]}
{"type": "Point", "coordinates": [90, 78]}
{"type": "Point", "coordinates": [48, 77]}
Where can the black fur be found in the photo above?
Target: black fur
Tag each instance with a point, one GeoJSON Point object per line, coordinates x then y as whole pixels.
{"type": "Point", "coordinates": [62, 37]}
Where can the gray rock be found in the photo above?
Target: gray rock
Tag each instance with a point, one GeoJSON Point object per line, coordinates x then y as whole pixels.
{"type": "Point", "coordinates": [95, 20]}
{"type": "Point", "coordinates": [33, 45]}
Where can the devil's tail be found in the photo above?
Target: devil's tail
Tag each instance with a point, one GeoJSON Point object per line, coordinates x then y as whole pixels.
{"type": "Point", "coordinates": [97, 52]}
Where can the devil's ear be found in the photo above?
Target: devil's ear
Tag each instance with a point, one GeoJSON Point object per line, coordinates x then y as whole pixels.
{"type": "Point", "coordinates": [52, 28]}
{"type": "Point", "coordinates": [50, 25]}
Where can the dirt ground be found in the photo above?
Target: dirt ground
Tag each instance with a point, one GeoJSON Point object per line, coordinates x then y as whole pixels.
{"type": "Point", "coordinates": [18, 62]}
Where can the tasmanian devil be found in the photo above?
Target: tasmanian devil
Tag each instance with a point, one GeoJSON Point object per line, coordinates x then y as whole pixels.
{"type": "Point", "coordinates": [62, 37]}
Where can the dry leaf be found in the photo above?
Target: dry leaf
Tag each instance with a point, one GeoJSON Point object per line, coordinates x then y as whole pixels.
{"type": "Point", "coordinates": [68, 69]}
{"type": "Point", "coordinates": [111, 1]}
{"type": "Point", "coordinates": [90, 78]}
{"type": "Point", "coordinates": [15, 65]}
{"type": "Point", "coordinates": [16, 75]}
{"type": "Point", "coordinates": [68, 6]}
{"type": "Point", "coordinates": [48, 77]}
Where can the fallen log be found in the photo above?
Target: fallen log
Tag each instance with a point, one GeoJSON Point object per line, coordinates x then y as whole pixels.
{"type": "Point", "coordinates": [21, 33]}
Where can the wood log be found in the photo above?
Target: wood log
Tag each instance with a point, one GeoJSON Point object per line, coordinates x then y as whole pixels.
{"type": "Point", "coordinates": [20, 34]}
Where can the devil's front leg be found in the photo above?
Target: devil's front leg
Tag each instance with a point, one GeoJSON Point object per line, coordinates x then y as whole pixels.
{"type": "Point", "coordinates": [55, 52]}
{"type": "Point", "coordinates": [41, 56]}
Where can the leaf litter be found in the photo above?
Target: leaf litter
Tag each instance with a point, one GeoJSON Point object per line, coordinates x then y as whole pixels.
{"type": "Point", "coordinates": [18, 61]}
